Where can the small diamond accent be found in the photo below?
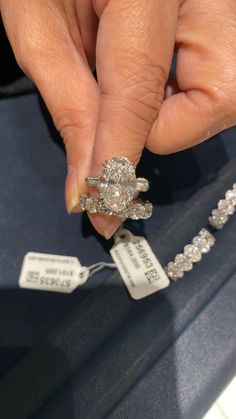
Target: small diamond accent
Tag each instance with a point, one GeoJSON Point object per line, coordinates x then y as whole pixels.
{"type": "Point", "coordinates": [119, 169]}
{"type": "Point", "coordinates": [173, 271]}
{"type": "Point", "coordinates": [183, 263]}
{"type": "Point", "coordinates": [192, 252]}
{"type": "Point", "coordinates": [208, 236]}
{"type": "Point", "coordinates": [91, 204]}
{"type": "Point", "coordinates": [221, 215]}
{"type": "Point", "coordinates": [88, 202]}
{"type": "Point", "coordinates": [82, 202]}
{"type": "Point", "coordinates": [205, 233]}
{"type": "Point", "coordinates": [218, 218]}
{"type": "Point", "coordinates": [139, 209]}
{"type": "Point", "coordinates": [214, 222]}
{"type": "Point", "coordinates": [226, 205]}
{"type": "Point", "coordinates": [202, 244]}
{"type": "Point", "coordinates": [231, 195]}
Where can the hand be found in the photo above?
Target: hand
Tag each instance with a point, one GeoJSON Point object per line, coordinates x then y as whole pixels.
{"type": "Point", "coordinates": [54, 43]}
{"type": "Point", "coordinates": [134, 104]}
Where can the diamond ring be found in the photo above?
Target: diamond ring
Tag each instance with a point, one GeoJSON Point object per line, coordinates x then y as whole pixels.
{"type": "Point", "coordinates": [119, 189]}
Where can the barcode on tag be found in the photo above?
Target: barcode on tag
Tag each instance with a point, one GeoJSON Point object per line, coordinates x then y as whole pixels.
{"type": "Point", "coordinates": [138, 266]}
{"type": "Point", "coordinates": [55, 273]}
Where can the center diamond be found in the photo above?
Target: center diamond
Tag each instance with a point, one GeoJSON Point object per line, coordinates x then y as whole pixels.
{"type": "Point", "coordinates": [116, 195]}
{"type": "Point", "coordinates": [118, 184]}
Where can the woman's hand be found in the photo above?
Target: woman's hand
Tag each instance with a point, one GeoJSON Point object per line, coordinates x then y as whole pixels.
{"type": "Point", "coordinates": [54, 43]}
{"type": "Point", "coordinates": [134, 104]}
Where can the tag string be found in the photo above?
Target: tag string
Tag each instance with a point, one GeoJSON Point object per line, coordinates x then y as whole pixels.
{"type": "Point", "coordinates": [96, 267]}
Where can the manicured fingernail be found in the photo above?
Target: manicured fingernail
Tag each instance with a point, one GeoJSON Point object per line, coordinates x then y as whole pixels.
{"type": "Point", "coordinates": [72, 190]}
{"type": "Point", "coordinates": [111, 229]}
{"type": "Point", "coordinates": [105, 225]}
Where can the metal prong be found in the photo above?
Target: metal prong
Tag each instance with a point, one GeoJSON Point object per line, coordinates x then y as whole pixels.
{"type": "Point", "coordinates": [142, 185]}
{"type": "Point", "coordinates": [93, 180]}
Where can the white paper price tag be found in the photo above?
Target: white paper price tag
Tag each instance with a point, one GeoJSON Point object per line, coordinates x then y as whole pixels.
{"type": "Point", "coordinates": [55, 273]}
{"type": "Point", "coordinates": [138, 266]}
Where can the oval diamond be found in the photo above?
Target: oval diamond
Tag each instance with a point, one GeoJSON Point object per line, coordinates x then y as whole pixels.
{"type": "Point", "coordinates": [115, 196]}
{"type": "Point", "coordinates": [118, 183]}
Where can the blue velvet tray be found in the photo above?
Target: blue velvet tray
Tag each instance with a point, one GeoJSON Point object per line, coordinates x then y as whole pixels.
{"type": "Point", "coordinates": [96, 353]}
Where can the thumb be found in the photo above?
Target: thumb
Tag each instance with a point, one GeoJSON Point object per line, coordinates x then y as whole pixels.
{"type": "Point", "coordinates": [205, 102]}
{"type": "Point", "coordinates": [132, 69]}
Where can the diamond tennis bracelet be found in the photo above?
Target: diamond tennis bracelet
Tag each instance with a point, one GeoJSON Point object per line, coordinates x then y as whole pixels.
{"type": "Point", "coordinates": [203, 242]}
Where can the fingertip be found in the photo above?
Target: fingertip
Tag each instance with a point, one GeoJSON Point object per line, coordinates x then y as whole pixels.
{"type": "Point", "coordinates": [72, 191]}
{"type": "Point", "coordinates": [105, 225]}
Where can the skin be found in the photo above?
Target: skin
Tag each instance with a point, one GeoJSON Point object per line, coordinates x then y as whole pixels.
{"type": "Point", "coordinates": [134, 105]}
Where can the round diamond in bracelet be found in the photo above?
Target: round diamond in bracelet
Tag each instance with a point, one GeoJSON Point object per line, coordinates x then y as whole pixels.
{"type": "Point", "coordinates": [192, 254]}
{"type": "Point", "coordinates": [225, 208]}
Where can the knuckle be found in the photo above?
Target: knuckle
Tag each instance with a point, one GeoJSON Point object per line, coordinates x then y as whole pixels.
{"type": "Point", "coordinates": [137, 97]}
{"type": "Point", "coordinates": [128, 116]}
{"type": "Point", "coordinates": [223, 95]}
{"type": "Point", "coordinates": [143, 93]}
{"type": "Point", "coordinates": [28, 51]}
{"type": "Point", "coordinates": [145, 82]}
{"type": "Point", "coordinates": [71, 123]}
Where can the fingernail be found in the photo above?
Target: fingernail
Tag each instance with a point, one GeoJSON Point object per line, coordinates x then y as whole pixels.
{"type": "Point", "coordinates": [111, 229]}
{"type": "Point", "coordinates": [105, 225]}
{"type": "Point", "coordinates": [72, 190]}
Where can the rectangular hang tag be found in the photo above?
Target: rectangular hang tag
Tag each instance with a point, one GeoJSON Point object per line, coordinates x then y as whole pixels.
{"type": "Point", "coordinates": [54, 273]}
{"type": "Point", "coordinates": [138, 266]}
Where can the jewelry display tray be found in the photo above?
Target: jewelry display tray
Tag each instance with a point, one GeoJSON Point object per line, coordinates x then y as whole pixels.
{"type": "Point", "coordinates": [97, 353]}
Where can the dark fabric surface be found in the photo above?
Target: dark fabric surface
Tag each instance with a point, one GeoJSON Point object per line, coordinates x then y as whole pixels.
{"type": "Point", "coordinates": [152, 325]}
{"type": "Point", "coordinates": [203, 358]}
{"type": "Point", "coordinates": [97, 353]}
{"type": "Point", "coordinates": [12, 80]}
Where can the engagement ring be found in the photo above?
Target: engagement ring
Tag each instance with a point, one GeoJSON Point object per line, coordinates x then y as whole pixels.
{"type": "Point", "coordinates": [119, 189]}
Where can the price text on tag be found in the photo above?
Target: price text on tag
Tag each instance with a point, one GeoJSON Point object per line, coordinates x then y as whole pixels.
{"type": "Point", "coordinates": [138, 266]}
{"type": "Point", "coordinates": [55, 273]}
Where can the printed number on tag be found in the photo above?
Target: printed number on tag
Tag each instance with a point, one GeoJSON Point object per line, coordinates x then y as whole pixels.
{"type": "Point", "coordinates": [139, 268]}
{"type": "Point", "coordinates": [56, 273]}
